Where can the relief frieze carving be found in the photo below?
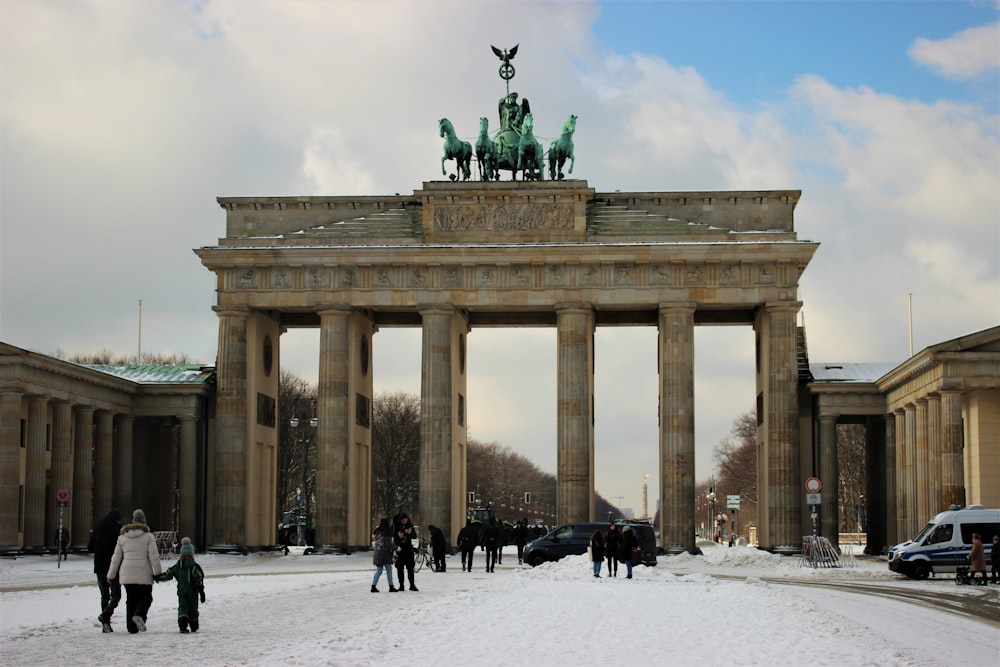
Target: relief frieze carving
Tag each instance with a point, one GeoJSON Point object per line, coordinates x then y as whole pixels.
{"type": "Point", "coordinates": [661, 274]}
{"type": "Point", "coordinates": [418, 277]}
{"type": "Point", "coordinates": [625, 274]}
{"type": "Point", "coordinates": [279, 279]}
{"type": "Point", "coordinates": [694, 275]}
{"type": "Point", "coordinates": [729, 275]}
{"type": "Point", "coordinates": [502, 217]}
{"type": "Point", "coordinates": [520, 276]}
{"type": "Point", "coordinates": [765, 274]}
{"type": "Point", "coordinates": [348, 278]}
{"type": "Point", "coordinates": [248, 279]}
{"type": "Point", "coordinates": [452, 277]}
{"type": "Point", "coordinates": [316, 278]}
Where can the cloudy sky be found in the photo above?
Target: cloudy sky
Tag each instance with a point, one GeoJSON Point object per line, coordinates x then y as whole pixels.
{"type": "Point", "coordinates": [122, 121]}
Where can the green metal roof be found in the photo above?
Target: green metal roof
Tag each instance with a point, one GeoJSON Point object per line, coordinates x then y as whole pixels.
{"type": "Point", "coordinates": [159, 374]}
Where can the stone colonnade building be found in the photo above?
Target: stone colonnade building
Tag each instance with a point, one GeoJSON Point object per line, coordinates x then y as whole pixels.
{"type": "Point", "coordinates": [110, 436]}
{"type": "Point", "coordinates": [932, 432]}
{"type": "Point", "coordinates": [456, 256]}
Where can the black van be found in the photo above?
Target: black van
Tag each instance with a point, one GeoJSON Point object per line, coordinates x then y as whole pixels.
{"type": "Point", "coordinates": [572, 539]}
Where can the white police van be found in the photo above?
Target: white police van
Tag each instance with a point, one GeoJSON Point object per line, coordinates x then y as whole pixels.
{"type": "Point", "coordinates": [944, 543]}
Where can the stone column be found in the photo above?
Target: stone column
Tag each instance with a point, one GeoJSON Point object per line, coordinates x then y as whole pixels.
{"type": "Point", "coordinates": [104, 465]}
{"type": "Point", "coordinates": [187, 515]}
{"type": "Point", "coordinates": [923, 462]}
{"type": "Point", "coordinates": [889, 493]}
{"type": "Point", "coordinates": [438, 417]}
{"type": "Point", "coordinates": [574, 413]}
{"type": "Point", "coordinates": [902, 516]}
{"type": "Point", "coordinates": [677, 482]}
{"type": "Point", "coordinates": [123, 464]}
{"type": "Point", "coordinates": [332, 442]}
{"type": "Point", "coordinates": [829, 473]}
{"type": "Point", "coordinates": [229, 527]}
{"type": "Point", "coordinates": [82, 499]}
{"type": "Point", "coordinates": [34, 474]}
{"type": "Point", "coordinates": [781, 406]}
{"type": "Point", "coordinates": [10, 469]}
{"type": "Point", "coordinates": [934, 453]}
{"type": "Point", "coordinates": [952, 465]}
{"type": "Point", "coordinates": [913, 520]}
{"type": "Point", "coordinates": [61, 475]}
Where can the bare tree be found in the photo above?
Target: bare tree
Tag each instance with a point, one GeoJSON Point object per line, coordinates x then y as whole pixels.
{"type": "Point", "coordinates": [294, 392]}
{"type": "Point", "coordinates": [851, 461]}
{"type": "Point", "coordinates": [736, 457]}
{"type": "Point", "coordinates": [108, 358]}
{"type": "Point", "coordinates": [395, 453]}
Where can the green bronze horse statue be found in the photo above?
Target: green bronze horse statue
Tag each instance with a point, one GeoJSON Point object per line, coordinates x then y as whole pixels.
{"type": "Point", "coordinates": [530, 156]}
{"type": "Point", "coordinates": [455, 149]}
{"type": "Point", "coordinates": [562, 149]}
{"type": "Point", "coordinates": [486, 153]}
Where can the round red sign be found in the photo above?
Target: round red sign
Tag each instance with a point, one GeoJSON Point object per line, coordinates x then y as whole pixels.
{"type": "Point", "coordinates": [813, 485]}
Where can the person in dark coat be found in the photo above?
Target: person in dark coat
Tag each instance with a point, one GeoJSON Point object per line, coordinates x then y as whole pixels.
{"type": "Point", "coordinates": [630, 545]}
{"type": "Point", "coordinates": [491, 539]}
{"type": "Point", "coordinates": [995, 560]}
{"type": "Point", "coordinates": [190, 586]}
{"type": "Point", "coordinates": [468, 537]}
{"type": "Point", "coordinates": [438, 545]}
{"type": "Point", "coordinates": [521, 538]}
{"type": "Point", "coordinates": [405, 534]}
{"type": "Point", "coordinates": [102, 543]}
{"type": "Point", "coordinates": [613, 547]}
{"type": "Point", "coordinates": [597, 551]}
{"type": "Point", "coordinates": [501, 540]}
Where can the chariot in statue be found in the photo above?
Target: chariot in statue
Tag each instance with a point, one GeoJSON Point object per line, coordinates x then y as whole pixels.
{"type": "Point", "coordinates": [514, 147]}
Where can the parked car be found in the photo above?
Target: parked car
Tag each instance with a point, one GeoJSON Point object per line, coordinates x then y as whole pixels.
{"type": "Point", "coordinates": [572, 539]}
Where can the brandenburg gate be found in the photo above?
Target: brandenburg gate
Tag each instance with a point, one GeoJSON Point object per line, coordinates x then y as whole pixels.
{"type": "Point", "coordinates": [454, 256]}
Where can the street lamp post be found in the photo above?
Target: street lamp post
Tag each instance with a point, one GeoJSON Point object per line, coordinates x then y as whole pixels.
{"type": "Point", "coordinates": [303, 441]}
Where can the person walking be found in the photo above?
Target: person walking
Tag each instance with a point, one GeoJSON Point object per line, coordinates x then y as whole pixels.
{"type": "Point", "coordinates": [521, 538]}
{"type": "Point", "coordinates": [405, 534]}
{"type": "Point", "coordinates": [977, 558]}
{"type": "Point", "coordinates": [501, 540]}
{"type": "Point", "coordinates": [597, 551]}
{"type": "Point", "coordinates": [438, 546]}
{"type": "Point", "coordinates": [102, 543]}
{"type": "Point", "coordinates": [630, 545]}
{"type": "Point", "coordinates": [467, 538]}
{"type": "Point", "coordinates": [190, 586]}
{"type": "Point", "coordinates": [382, 555]}
{"type": "Point", "coordinates": [491, 537]}
{"type": "Point", "coordinates": [613, 547]}
{"type": "Point", "coordinates": [135, 562]}
{"type": "Point", "coordinates": [995, 560]}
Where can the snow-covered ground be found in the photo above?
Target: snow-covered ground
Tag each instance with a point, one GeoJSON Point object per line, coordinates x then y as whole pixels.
{"type": "Point", "coordinates": [732, 606]}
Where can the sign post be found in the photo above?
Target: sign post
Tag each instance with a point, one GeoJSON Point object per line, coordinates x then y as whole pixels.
{"type": "Point", "coordinates": [62, 499]}
{"type": "Point", "coordinates": [813, 486]}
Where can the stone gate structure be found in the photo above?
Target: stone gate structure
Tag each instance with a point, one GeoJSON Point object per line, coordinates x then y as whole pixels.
{"type": "Point", "coordinates": [456, 256]}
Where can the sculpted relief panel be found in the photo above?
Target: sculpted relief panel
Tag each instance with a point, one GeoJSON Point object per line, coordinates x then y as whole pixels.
{"type": "Point", "coordinates": [501, 217]}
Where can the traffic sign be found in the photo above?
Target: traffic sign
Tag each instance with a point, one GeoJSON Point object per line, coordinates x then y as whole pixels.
{"type": "Point", "coordinates": [733, 502]}
{"type": "Point", "coordinates": [813, 485]}
{"type": "Point", "coordinates": [813, 499]}
{"type": "Point", "coordinates": [62, 495]}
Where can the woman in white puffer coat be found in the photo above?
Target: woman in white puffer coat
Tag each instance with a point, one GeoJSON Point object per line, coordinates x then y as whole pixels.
{"type": "Point", "coordinates": [135, 562]}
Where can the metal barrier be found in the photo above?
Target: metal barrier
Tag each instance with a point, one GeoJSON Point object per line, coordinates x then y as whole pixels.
{"type": "Point", "coordinates": [818, 552]}
{"type": "Point", "coordinates": [166, 542]}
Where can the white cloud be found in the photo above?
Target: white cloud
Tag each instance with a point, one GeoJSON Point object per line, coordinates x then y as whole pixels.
{"type": "Point", "coordinates": [966, 54]}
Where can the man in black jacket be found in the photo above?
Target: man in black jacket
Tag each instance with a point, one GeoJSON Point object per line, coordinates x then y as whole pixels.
{"type": "Point", "coordinates": [102, 543]}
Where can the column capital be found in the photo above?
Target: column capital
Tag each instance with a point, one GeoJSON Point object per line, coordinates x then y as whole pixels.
{"type": "Point", "coordinates": [779, 306]}
{"type": "Point", "coordinates": [829, 416]}
{"type": "Point", "coordinates": [678, 306]}
{"type": "Point", "coordinates": [574, 307]}
{"type": "Point", "coordinates": [232, 311]}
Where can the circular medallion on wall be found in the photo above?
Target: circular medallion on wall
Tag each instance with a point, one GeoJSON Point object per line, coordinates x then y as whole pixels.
{"type": "Point", "coordinates": [364, 355]}
{"type": "Point", "coordinates": [268, 355]}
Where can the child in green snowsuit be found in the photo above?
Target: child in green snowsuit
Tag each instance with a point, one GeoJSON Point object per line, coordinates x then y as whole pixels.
{"type": "Point", "coordinates": [190, 586]}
